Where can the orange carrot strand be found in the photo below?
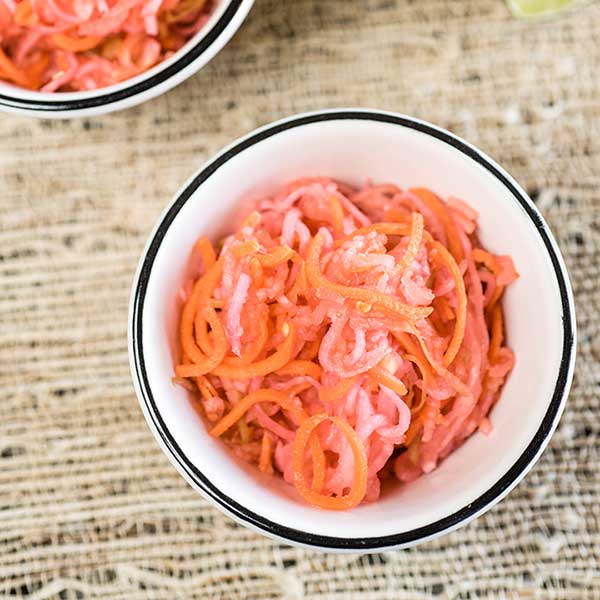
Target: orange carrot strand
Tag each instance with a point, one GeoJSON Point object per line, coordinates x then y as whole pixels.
{"type": "Point", "coordinates": [75, 44]}
{"type": "Point", "coordinates": [497, 334]}
{"type": "Point", "coordinates": [359, 486]}
{"type": "Point", "coordinates": [276, 257]}
{"type": "Point", "coordinates": [265, 463]}
{"type": "Point", "coordinates": [439, 208]}
{"type": "Point", "coordinates": [383, 377]}
{"type": "Point", "coordinates": [11, 72]}
{"type": "Point", "coordinates": [337, 219]}
{"type": "Point", "coordinates": [338, 391]}
{"type": "Point", "coordinates": [461, 315]}
{"type": "Point", "coordinates": [277, 360]}
{"type": "Point", "coordinates": [203, 288]}
{"type": "Point", "coordinates": [207, 362]}
{"type": "Point", "coordinates": [416, 235]}
{"type": "Point", "coordinates": [383, 227]}
{"type": "Point", "coordinates": [242, 407]}
{"type": "Point", "coordinates": [297, 368]}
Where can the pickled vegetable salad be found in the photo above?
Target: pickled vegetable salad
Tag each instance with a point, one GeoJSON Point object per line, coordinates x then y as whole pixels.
{"type": "Point", "coordinates": [344, 336]}
{"type": "Point", "coordinates": [75, 45]}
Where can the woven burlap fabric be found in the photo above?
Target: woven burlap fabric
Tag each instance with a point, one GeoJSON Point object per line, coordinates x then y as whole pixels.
{"type": "Point", "coordinates": [89, 506]}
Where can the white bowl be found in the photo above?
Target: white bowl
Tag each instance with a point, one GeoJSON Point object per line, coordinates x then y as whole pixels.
{"type": "Point", "coordinates": [222, 24]}
{"type": "Point", "coordinates": [353, 146]}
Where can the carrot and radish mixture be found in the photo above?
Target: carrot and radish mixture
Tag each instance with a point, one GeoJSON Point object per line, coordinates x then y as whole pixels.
{"type": "Point", "coordinates": [75, 45]}
{"type": "Point", "coordinates": [343, 336]}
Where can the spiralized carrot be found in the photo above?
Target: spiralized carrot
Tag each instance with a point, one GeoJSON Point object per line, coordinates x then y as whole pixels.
{"type": "Point", "coordinates": [426, 376]}
{"type": "Point", "coordinates": [337, 391]}
{"type": "Point", "coordinates": [437, 206]}
{"type": "Point", "coordinates": [385, 228]}
{"type": "Point", "coordinates": [76, 46]}
{"type": "Point", "coordinates": [359, 487]}
{"type": "Point", "coordinates": [414, 429]}
{"type": "Point", "coordinates": [504, 271]}
{"type": "Point", "coordinates": [444, 309]}
{"type": "Point", "coordinates": [245, 249]}
{"type": "Point", "coordinates": [481, 256]}
{"type": "Point", "coordinates": [301, 367]}
{"type": "Point", "coordinates": [242, 407]}
{"type": "Point", "coordinates": [277, 360]}
{"type": "Point", "coordinates": [204, 337]}
{"type": "Point", "coordinates": [23, 14]}
{"type": "Point", "coordinates": [10, 72]}
{"type": "Point", "coordinates": [337, 328]}
{"type": "Point", "coordinates": [384, 377]}
{"type": "Point", "coordinates": [497, 334]}
{"type": "Point", "coordinates": [201, 291]}
{"type": "Point", "coordinates": [416, 235]}
{"type": "Point", "coordinates": [461, 315]}
{"type": "Point", "coordinates": [209, 362]}
{"type": "Point", "coordinates": [337, 211]}
{"type": "Point", "coordinates": [276, 257]}
{"type": "Point", "coordinates": [285, 402]}
{"type": "Point", "coordinates": [434, 366]}
{"type": "Point", "coordinates": [266, 453]}
{"type": "Point", "coordinates": [256, 272]}
{"type": "Point", "coordinates": [206, 388]}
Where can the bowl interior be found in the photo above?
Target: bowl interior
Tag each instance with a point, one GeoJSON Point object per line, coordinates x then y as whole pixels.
{"type": "Point", "coordinates": [355, 151]}
{"type": "Point", "coordinates": [14, 91]}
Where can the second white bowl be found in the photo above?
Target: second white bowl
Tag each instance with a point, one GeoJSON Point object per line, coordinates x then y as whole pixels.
{"type": "Point", "coordinates": [223, 23]}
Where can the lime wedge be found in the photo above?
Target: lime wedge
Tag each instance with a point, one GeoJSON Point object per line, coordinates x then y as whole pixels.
{"type": "Point", "coordinates": [534, 8]}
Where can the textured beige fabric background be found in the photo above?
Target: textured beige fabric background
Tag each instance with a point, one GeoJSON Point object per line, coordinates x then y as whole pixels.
{"type": "Point", "coordinates": [89, 506]}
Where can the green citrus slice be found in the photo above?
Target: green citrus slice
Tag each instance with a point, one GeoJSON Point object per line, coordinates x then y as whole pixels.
{"type": "Point", "coordinates": [532, 8]}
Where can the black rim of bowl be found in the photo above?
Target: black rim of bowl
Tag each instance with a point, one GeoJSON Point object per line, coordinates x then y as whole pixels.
{"type": "Point", "coordinates": [244, 515]}
{"type": "Point", "coordinates": [103, 99]}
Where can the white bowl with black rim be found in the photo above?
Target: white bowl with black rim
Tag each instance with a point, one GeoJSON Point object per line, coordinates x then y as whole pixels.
{"type": "Point", "coordinates": [354, 146]}
{"type": "Point", "coordinates": [224, 21]}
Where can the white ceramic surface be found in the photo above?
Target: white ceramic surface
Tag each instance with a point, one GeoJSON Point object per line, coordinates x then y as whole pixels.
{"type": "Point", "coordinates": [223, 23]}
{"type": "Point", "coordinates": [354, 146]}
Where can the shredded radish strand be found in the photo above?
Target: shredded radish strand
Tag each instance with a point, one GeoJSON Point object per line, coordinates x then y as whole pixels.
{"type": "Point", "coordinates": [343, 336]}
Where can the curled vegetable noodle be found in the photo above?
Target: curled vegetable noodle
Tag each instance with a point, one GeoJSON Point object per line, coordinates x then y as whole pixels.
{"type": "Point", "coordinates": [343, 336]}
